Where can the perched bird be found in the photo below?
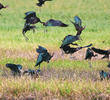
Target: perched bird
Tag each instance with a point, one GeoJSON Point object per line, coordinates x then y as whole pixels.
{"type": "Point", "coordinates": [89, 54]}
{"type": "Point", "coordinates": [26, 28]}
{"type": "Point", "coordinates": [104, 75]}
{"type": "Point", "coordinates": [44, 55]}
{"type": "Point", "coordinates": [2, 6]}
{"type": "Point", "coordinates": [31, 18]}
{"type": "Point", "coordinates": [41, 2]}
{"type": "Point", "coordinates": [106, 53]}
{"type": "Point", "coordinates": [70, 50]}
{"type": "Point", "coordinates": [78, 24]}
{"type": "Point", "coordinates": [53, 22]}
{"type": "Point", "coordinates": [15, 68]}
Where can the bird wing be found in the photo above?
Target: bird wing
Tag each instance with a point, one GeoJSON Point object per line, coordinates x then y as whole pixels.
{"type": "Point", "coordinates": [39, 59]}
{"type": "Point", "coordinates": [87, 46]}
{"type": "Point", "coordinates": [41, 49]}
{"type": "Point", "coordinates": [12, 67]}
{"type": "Point", "coordinates": [53, 22]}
{"type": "Point", "coordinates": [50, 22]}
{"type": "Point", "coordinates": [78, 21]}
{"type": "Point", "coordinates": [68, 40]}
{"type": "Point", "coordinates": [30, 14]}
{"type": "Point", "coordinates": [100, 51]}
{"type": "Point", "coordinates": [1, 6]}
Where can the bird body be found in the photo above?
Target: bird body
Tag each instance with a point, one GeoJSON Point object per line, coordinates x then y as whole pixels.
{"type": "Point", "coordinates": [69, 40]}
{"type": "Point", "coordinates": [31, 18]}
{"type": "Point", "coordinates": [41, 50]}
{"type": "Point", "coordinates": [70, 50]}
{"type": "Point", "coordinates": [44, 55]}
{"type": "Point", "coordinates": [53, 22]}
{"type": "Point", "coordinates": [15, 68]}
{"type": "Point", "coordinates": [30, 14]}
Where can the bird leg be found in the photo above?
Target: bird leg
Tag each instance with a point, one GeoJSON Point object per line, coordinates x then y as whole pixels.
{"type": "Point", "coordinates": [62, 53]}
{"type": "Point", "coordinates": [33, 30]}
{"type": "Point", "coordinates": [26, 38]}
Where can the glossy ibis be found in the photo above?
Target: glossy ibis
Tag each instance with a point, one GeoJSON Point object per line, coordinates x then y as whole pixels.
{"type": "Point", "coordinates": [53, 22]}
{"type": "Point", "coordinates": [44, 55]}
{"type": "Point", "coordinates": [15, 68]}
{"type": "Point", "coordinates": [70, 50]}
{"type": "Point", "coordinates": [78, 24]}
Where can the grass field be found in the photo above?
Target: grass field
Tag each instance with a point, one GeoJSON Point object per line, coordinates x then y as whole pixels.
{"type": "Point", "coordinates": [63, 78]}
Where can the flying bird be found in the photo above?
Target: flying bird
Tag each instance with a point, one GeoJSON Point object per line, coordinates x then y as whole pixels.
{"type": "Point", "coordinates": [52, 22]}
{"type": "Point", "coordinates": [70, 50]}
{"type": "Point", "coordinates": [69, 39]}
{"type": "Point", "coordinates": [41, 2]}
{"type": "Point", "coordinates": [26, 28]}
{"type": "Point", "coordinates": [78, 24]}
{"type": "Point", "coordinates": [44, 55]}
{"type": "Point", "coordinates": [15, 68]}
{"type": "Point", "coordinates": [106, 53]}
{"type": "Point", "coordinates": [2, 6]}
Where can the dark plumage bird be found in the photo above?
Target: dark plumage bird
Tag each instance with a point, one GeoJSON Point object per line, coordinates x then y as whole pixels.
{"type": "Point", "coordinates": [26, 28]}
{"type": "Point", "coordinates": [106, 53]}
{"type": "Point", "coordinates": [41, 2]}
{"type": "Point", "coordinates": [78, 24]}
{"type": "Point", "coordinates": [53, 22]}
{"type": "Point", "coordinates": [31, 72]}
{"type": "Point", "coordinates": [44, 55]}
{"type": "Point", "coordinates": [69, 39]}
{"type": "Point", "coordinates": [15, 68]}
{"type": "Point", "coordinates": [104, 75]}
{"type": "Point", "coordinates": [89, 54]}
{"type": "Point", "coordinates": [31, 18]}
{"type": "Point", "coordinates": [2, 6]}
{"type": "Point", "coordinates": [70, 50]}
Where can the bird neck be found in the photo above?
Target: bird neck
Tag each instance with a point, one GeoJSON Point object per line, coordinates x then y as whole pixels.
{"type": "Point", "coordinates": [43, 23]}
{"type": "Point", "coordinates": [78, 33]}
